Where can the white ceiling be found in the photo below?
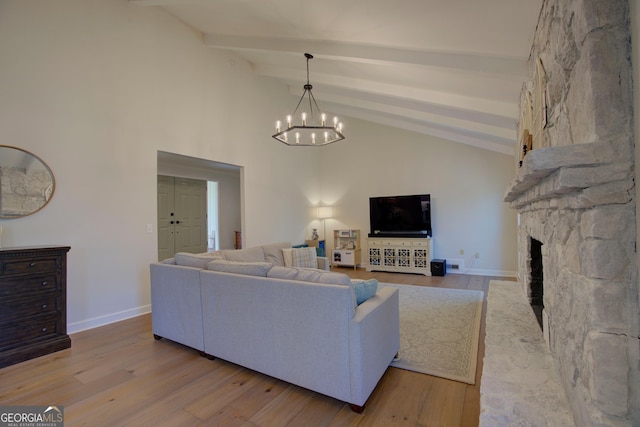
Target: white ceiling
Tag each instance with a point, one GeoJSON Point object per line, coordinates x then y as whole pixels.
{"type": "Point", "coordinates": [448, 68]}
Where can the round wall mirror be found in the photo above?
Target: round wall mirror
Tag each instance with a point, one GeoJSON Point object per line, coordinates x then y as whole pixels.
{"type": "Point", "coordinates": [26, 182]}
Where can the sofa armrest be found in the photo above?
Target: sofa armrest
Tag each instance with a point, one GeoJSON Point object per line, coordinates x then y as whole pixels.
{"type": "Point", "coordinates": [375, 341]}
{"type": "Point", "coordinates": [176, 304]}
{"type": "Point", "coordinates": [323, 263]}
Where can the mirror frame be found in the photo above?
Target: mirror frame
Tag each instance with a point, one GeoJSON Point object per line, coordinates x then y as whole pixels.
{"type": "Point", "coordinates": [53, 184]}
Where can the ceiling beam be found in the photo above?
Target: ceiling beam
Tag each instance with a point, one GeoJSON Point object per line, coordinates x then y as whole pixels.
{"type": "Point", "coordinates": [455, 135]}
{"type": "Point", "coordinates": [444, 119]}
{"type": "Point", "coordinates": [508, 112]}
{"type": "Point", "coordinates": [505, 66]}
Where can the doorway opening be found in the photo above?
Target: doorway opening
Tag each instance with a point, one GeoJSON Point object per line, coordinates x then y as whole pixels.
{"type": "Point", "coordinates": [219, 205]}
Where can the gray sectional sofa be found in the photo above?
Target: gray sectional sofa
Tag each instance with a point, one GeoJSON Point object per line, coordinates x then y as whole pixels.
{"type": "Point", "coordinates": [300, 325]}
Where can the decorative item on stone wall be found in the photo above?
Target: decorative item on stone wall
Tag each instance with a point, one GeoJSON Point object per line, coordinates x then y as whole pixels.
{"type": "Point", "coordinates": [539, 117]}
{"type": "Point", "coordinates": [527, 141]}
{"type": "Point", "coordinates": [26, 182]}
{"type": "Point", "coordinates": [524, 126]}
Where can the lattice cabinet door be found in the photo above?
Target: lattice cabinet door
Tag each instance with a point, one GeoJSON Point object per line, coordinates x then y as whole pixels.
{"type": "Point", "coordinates": [404, 257]}
{"type": "Point", "coordinates": [374, 256]}
{"type": "Point", "coordinates": [421, 258]}
{"type": "Point", "coordinates": [389, 258]}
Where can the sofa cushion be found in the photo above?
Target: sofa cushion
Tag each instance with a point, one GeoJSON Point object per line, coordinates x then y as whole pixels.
{"type": "Point", "coordinates": [309, 275]}
{"type": "Point", "coordinates": [244, 255]}
{"type": "Point", "coordinates": [300, 257]}
{"type": "Point", "coordinates": [273, 252]}
{"type": "Point", "coordinates": [364, 289]}
{"type": "Point", "coordinates": [195, 260]}
{"type": "Point", "coordinates": [238, 267]}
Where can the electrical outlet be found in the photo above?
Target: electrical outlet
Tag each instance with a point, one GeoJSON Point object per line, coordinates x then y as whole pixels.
{"type": "Point", "coordinates": [461, 251]}
{"type": "Point", "coordinates": [149, 228]}
{"type": "Point", "coordinates": [477, 254]}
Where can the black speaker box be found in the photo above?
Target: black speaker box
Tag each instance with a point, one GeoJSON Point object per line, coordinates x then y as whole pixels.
{"type": "Point", "coordinates": [438, 267]}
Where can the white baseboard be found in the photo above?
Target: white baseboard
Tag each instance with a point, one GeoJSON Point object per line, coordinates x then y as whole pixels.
{"type": "Point", "coordinates": [107, 319]}
{"type": "Point", "coordinates": [483, 272]}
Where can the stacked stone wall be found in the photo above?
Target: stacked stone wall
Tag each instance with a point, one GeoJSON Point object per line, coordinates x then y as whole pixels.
{"type": "Point", "coordinates": [576, 195]}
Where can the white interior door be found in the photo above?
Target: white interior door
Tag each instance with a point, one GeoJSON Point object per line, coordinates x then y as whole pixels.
{"type": "Point", "coordinates": [182, 216]}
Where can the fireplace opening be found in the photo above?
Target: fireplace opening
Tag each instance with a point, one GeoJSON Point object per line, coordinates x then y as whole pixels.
{"type": "Point", "coordinates": [536, 284]}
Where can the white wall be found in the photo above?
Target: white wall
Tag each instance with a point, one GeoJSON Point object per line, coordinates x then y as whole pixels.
{"type": "Point", "coordinates": [466, 186]}
{"type": "Point", "coordinates": [96, 88]}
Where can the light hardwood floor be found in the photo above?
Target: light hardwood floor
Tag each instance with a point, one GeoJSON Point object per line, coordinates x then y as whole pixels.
{"type": "Point", "coordinates": [118, 375]}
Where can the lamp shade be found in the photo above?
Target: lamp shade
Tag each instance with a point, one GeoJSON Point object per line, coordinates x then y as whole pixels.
{"type": "Point", "coordinates": [325, 212]}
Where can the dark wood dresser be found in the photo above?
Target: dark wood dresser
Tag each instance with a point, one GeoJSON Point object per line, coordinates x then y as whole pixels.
{"type": "Point", "coordinates": [33, 302]}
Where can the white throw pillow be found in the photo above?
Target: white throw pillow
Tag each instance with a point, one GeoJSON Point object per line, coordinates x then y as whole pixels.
{"type": "Point", "coordinates": [287, 255]}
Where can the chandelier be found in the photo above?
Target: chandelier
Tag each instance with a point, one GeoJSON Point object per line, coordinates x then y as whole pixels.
{"type": "Point", "coordinates": [312, 129]}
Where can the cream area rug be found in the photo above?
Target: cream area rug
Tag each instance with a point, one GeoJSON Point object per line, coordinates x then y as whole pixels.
{"type": "Point", "coordinates": [439, 331]}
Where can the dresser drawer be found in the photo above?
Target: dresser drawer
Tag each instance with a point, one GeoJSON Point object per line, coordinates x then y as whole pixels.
{"type": "Point", "coordinates": [21, 308]}
{"type": "Point", "coordinates": [19, 332]}
{"type": "Point", "coordinates": [29, 265]}
{"type": "Point", "coordinates": [20, 285]}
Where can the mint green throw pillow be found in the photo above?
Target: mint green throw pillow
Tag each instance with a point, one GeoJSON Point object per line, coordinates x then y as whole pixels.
{"type": "Point", "coordinates": [364, 289]}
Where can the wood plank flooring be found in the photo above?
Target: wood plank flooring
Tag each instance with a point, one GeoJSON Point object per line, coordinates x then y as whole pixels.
{"type": "Point", "coordinates": [118, 375]}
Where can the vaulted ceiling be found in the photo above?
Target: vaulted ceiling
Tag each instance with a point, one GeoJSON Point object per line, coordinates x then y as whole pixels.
{"type": "Point", "coordinates": [448, 68]}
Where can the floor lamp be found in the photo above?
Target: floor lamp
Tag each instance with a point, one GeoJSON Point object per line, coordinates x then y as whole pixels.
{"type": "Point", "coordinates": [324, 213]}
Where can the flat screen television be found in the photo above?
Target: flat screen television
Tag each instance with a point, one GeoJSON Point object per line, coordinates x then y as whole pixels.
{"type": "Point", "coordinates": [400, 216]}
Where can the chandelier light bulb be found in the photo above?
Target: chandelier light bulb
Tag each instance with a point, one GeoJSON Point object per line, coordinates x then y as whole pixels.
{"type": "Point", "coordinates": [277, 126]}
{"type": "Point", "coordinates": [297, 138]}
{"type": "Point", "coordinates": [289, 121]}
{"type": "Point", "coordinates": [304, 119]}
{"type": "Point", "coordinates": [324, 118]}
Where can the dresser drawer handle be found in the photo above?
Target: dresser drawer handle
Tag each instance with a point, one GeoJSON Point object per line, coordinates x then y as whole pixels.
{"type": "Point", "coordinates": [44, 283]}
{"type": "Point", "coordinates": [44, 306]}
{"type": "Point", "coordinates": [32, 264]}
{"type": "Point", "coordinates": [44, 329]}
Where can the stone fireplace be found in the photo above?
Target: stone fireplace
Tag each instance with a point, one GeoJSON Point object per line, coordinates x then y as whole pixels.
{"type": "Point", "coordinates": [575, 196]}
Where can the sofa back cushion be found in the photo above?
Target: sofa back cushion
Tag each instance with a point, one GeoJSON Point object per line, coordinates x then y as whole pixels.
{"type": "Point", "coordinates": [186, 259]}
{"type": "Point", "coordinates": [244, 255]}
{"type": "Point", "coordinates": [239, 267]}
{"type": "Point", "coordinates": [273, 252]}
{"type": "Point", "coordinates": [309, 275]}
